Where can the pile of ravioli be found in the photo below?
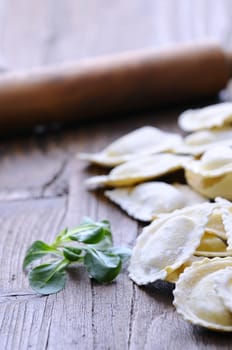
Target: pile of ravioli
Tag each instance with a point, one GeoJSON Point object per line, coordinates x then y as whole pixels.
{"type": "Point", "coordinates": [189, 239]}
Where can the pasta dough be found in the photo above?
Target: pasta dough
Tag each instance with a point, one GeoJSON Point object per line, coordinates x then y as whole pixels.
{"type": "Point", "coordinates": [212, 174]}
{"type": "Point", "coordinates": [143, 141]}
{"type": "Point", "coordinates": [168, 242]}
{"type": "Point", "coordinates": [204, 305]}
{"type": "Point", "coordinates": [141, 169]}
{"type": "Point", "coordinates": [199, 142]}
{"type": "Point", "coordinates": [208, 117]}
{"type": "Point", "coordinates": [147, 200]}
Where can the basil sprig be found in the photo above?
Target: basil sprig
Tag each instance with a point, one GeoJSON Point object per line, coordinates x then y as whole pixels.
{"type": "Point", "coordinates": [89, 244]}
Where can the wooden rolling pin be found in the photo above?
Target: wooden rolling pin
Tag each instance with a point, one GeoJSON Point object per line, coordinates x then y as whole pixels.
{"type": "Point", "coordinates": [113, 84]}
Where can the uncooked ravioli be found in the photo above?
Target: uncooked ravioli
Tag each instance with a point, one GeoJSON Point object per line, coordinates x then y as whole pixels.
{"type": "Point", "coordinates": [141, 169]}
{"type": "Point", "coordinates": [215, 224]}
{"type": "Point", "coordinates": [226, 214]}
{"type": "Point", "coordinates": [147, 200]}
{"type": "Point", "coordinates": [168, 242]}
{"type": "Point", "coordinates": [209, 117]}
{"type": "Point", "coordinates": [199, 142]}
{"type": "Point", "coordinates": [204, 306]}
{"type": "Point", "coordinates": [174, 275]}
{"type": "Point", "coordinates": [145, 140]}
{"type": "Point", "coordinates": [223, 287]}
{"type": "Point", "coordinates": [212, 246]}
{"type": "Point", "coordinates": [212, 174]}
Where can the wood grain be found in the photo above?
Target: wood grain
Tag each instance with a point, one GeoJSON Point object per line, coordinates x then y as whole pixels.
{"type": "Point", "coordinates": [41, 181]}
{"type": "Point", "coordinates": [67, 30]}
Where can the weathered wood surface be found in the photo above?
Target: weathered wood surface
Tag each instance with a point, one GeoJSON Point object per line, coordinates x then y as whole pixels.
{"type": "Point", "coordinates": [41, 181]}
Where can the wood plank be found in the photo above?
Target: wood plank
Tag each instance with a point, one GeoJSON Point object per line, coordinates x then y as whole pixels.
{"type": "Point", "coordinates": [25, 316]}
{"type": "Point", "coordinates": [26, 32]}
{"type": "Point", "coordinates": [52, 32]}
{"type": "Point", "coordinates": [94, 28]}
{"type": "Point", "coordinates": [31, 168]}
{"type": "Point", "coordinates": [39, 166]}
{"type": "Point", "coordinates": [111, 305]}
{"type": "Point", "coordinates": [96, 312]}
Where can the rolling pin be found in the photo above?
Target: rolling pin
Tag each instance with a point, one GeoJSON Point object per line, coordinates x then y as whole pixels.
{"type": "Point", "coordinates": [114, 84]}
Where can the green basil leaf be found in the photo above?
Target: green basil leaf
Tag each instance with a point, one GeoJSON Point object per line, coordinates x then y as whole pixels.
{"type": "Point", "coordinates": [123, 252]}
{"type": "Point", "coordinates": [106, 240]}
{"type": "Point", "coordinates": [89, 234]}
{"type": "Point", "coordinates": [102, 266]}
{"type": "Point", "coordinates": [48, 278]}
{"type": "Point", "coordinates": [60, 236]}
{"type": "Point", "coordinates": [72, 253]}
{"type": "Point", "coordinates": [92, 232]}
{"type": "Point", "coordinates": [94, 249]}
{"type": "Point", "coordinates": [104, 244]}
{"type": "Point", "coordinates": [36, 251]}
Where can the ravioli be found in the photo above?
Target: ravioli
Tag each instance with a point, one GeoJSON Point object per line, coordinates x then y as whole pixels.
{"type": "Point", "coordinates": [168, 242]}
{"type": "Point", "coordinates": [203, 305]}
{"type": "Point", "coordinates": [215, 224]}
{"type": "Point", "coordinates": [223, 287]}
{"type": "Point", "coordinates": [226, 213]}
{"type": "Point", "coordinates": [212, 246]}
{"type": "Point", "coordinates": [141, 169]}
{"type": "Point", "coordinates": [212, 174]}
{"type": "Point", "coordinates": [174, 275]}
{"type": "Point", "coordinates": [145, 140]}
{"type": "Point", "coordinates": [209, 117]}
{"type": "Point", "coordinates": [199, 142]}
{"type": "Point", "coordinates": [147, 200]}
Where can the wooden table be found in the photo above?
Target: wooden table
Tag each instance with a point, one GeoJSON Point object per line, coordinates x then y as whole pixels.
{"type": "Point", "coordinates": [41, 181]}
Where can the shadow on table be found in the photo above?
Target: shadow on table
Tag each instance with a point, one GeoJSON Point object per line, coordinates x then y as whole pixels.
{"type": "Point", "coordinates": [160, 291]}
